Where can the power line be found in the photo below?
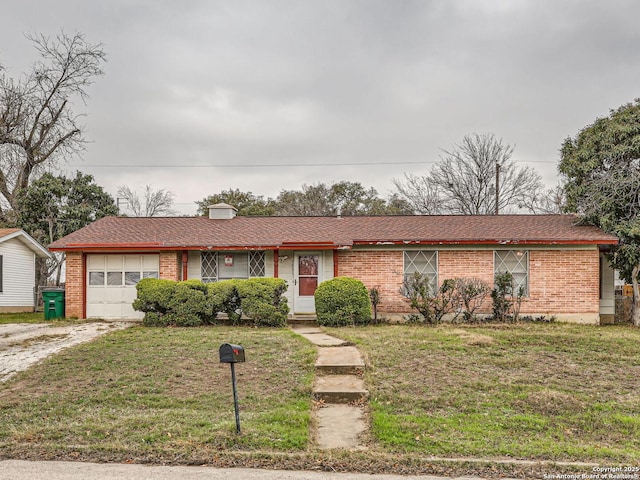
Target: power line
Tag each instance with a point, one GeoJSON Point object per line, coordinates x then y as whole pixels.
{"type": "Point", "coordinates": [272, 165]}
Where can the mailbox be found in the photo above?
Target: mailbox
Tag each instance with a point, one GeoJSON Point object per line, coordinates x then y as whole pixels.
{"type": "Point", "coordinates": [230, 353]}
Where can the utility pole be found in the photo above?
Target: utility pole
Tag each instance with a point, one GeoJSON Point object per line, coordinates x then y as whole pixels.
{"type": "Point", "coordinates": [497, 188]}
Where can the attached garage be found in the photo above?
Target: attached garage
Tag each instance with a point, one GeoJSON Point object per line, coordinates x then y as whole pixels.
{"type": "Point", "coordinates": [111, 283]}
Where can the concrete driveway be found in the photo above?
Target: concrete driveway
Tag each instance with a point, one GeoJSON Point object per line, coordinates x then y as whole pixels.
{"type": "Point", "coordinates": [24, 344]}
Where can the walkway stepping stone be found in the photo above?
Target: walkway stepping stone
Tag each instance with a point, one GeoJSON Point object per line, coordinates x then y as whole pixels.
{"type": "Point", "coordinates": [340, 389]}
{"type": "Point", "coordinates": [339, 361]}
{"type": "Point", "coordinates": [318, 337]}
{"type": "Point", "coordinates": [340, 426]}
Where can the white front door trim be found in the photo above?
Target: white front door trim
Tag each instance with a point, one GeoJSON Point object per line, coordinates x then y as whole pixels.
{"type": "Point", "coordinates": [306, 280]}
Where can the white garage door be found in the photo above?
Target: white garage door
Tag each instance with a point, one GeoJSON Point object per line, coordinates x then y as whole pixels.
{"type": "Point", "coordinates": [111, 283]}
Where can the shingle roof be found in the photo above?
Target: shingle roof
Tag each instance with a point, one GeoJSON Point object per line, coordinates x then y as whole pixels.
{"type": "Point", "coordinates": [8, 231]}
{"type": "Point", "coordinates": [328, 232]}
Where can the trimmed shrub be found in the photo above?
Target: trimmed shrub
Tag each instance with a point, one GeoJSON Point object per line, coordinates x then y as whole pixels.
{"type": "Point", "coordinates": [262, 301]}
{"type": "Point", "coordinates": [192, 303]}
{"type": "Point", "coordinates": [342, 301]}
{"type": "Point", "coordinates": [153, 297]}
{"type": "Point", "coordinates": [188, 305]}
{"type": "Point", "coordinates": [153, 319]}
{"type": "Point", "coordinates": [224, 298]}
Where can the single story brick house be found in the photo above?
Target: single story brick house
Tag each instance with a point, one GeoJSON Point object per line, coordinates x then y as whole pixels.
{"type": "Point", "coordinates": [560, 264]}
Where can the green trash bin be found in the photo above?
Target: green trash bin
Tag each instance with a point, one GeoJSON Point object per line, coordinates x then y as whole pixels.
{"type": "Point", "coordinates": [53, 299]}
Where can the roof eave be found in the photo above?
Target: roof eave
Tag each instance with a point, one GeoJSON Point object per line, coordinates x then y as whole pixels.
{"type": "Point", "coordinates": [29, 242]}
{"type": "Point", "coordinates": [486, 242]}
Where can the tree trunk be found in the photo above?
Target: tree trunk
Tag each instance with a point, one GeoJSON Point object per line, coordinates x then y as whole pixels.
{"type": "Point", "coordinates": [635, 311]}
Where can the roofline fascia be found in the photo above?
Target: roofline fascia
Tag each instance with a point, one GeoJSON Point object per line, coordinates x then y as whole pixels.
{"type": "Point", "coordinates": [484, 242]}
{"type": "Point", "coordinates": [131, 247]}
{"type": "Point", "coordinates": [156, 248]}
{"type": "Point", "coordinates": [29, 242]}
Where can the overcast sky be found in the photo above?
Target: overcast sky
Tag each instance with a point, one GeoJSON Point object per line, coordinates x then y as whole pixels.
{"type": "Point", "coordinates": [203, 96]}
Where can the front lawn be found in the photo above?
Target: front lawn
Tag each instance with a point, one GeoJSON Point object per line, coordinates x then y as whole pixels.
{"type": "Point", "coordinates": [546, 392]}
{"type": "Point", "coordinates": [562, 392]}
{"type": "Point", "coordinates": [27, 317]}
{"type": "Point", "coordinates": [147, 393]}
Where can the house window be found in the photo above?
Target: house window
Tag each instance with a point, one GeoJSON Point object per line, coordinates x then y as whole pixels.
{"type": "Point", "coordinates": [424, 262]}
{"type": "Point", "coordinates": [515, 262]}
{"type": "Point", "coordinates": [227, 265]}
{"type": "Point", "coordinates": [209, 262]}
{"type": "Point", "coordinates": [257, 264]}
{"type": "Point", "coordinates": [1, 275]}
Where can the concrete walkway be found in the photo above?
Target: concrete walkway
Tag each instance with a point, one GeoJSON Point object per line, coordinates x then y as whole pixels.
{"type": "Point", "coordinates": [339, 390]}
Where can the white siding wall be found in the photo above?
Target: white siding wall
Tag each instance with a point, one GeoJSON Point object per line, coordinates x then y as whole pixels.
{"type": "Point", "coordinates": [285, 272]}
{"type": "Point", "coordinates": [268, 263]}
{"type": "Point", "coordinates": [327, 265]}
{"type": "Point", "coordinates": [607, 284]}
{"type": "Point", "coordinates": [18, 274]}
{"type": "Point", "coordinates": [194, 267]}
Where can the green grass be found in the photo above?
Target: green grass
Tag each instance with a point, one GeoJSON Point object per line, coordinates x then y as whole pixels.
{"type": "Point", "coordinates": [547, 392]}
{"type": "Point", "coordinates": [28, 317]}
{"type": "Point", "coordinates": [162, 392]}
{"type": "Point", "coordinates": [561, 392]}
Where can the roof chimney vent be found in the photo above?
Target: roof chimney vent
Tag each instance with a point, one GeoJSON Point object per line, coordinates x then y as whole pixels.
{"type": "Point", "coordinates": [222, 211]}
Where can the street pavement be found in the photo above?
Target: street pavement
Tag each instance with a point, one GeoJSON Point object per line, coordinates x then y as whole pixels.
{"type": "Point", "coordinates": [27, 470]}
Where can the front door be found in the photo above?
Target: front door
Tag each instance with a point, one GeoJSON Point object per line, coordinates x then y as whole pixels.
{"type": "Point", "coordinates": [306, 280]}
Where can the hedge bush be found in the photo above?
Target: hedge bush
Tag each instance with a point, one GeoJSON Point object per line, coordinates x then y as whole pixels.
{"type": "Point", "coordinates": [224, 298]}
{"type": "Point", "coordinates": [262, 300]}
{"type": "Point", "coordinates": [153, 295]}
{"type": "Point", "coordinates": [342, 301]}
{"type": "Point", "coordinates": [258, 301]}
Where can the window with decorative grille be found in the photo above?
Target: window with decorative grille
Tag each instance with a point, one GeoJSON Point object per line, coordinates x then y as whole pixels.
{"type": "Point", "coordinates": [209, 262]}
{"type": "Point", "coordinates": [424, 262]}
{"type": "Point", "coordinates": [515, 262]}
{"type": "Point", "coordinates": [257, 264]}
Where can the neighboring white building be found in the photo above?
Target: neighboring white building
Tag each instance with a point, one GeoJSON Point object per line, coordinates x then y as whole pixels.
{"type": "Point", "coordinates": [18, 253]}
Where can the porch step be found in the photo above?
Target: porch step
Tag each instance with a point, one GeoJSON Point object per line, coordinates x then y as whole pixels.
{"type": "Point", "coordinates": [302, 320]}
{"type": "Point", "coordinates": [340, 389]}
{"type": "Point", "coordinates": [339, 361]}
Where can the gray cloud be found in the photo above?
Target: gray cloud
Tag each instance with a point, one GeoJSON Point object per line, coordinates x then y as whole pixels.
{"type": "Point", "coordinates": [344, 81]}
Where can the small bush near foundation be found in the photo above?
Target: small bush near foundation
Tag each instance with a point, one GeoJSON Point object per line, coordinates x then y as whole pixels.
{"type": "Point", "coordinates": [431, 305]}
{"type": "Point", "coordinates": [342, 301]}
{"type": "Point", "coordinates": [507, 298]}
{"type": "Point", "coordinates": [470, 293]}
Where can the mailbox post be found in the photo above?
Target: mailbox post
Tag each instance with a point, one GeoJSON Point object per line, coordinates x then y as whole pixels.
{"type": "Point", "coordinates": [233, 354]}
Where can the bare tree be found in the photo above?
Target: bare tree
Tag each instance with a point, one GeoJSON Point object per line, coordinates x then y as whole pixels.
{"type": "Point", "coordinates": [467, 177]}
{"type": "Point", "coordinates": [156, 203]}
{"type": "Point", "coordinates": [549, 201]}
{"type": "Point", "coordinates": [37, 124]}
{"type": "Point", "coordinates": [422, 194]}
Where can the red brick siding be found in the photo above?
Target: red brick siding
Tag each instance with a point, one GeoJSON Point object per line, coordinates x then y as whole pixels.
{"type": "Point", "coordinates": [377, 269]}
{"type": "Point", "coordinates": [563, 281]}
{"type": "Point", "coordinates": [74, 285]}
{"type": "Point", "coordinates": [170, 265]}
{"type": "Point", "coordinates": [560, 281]}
